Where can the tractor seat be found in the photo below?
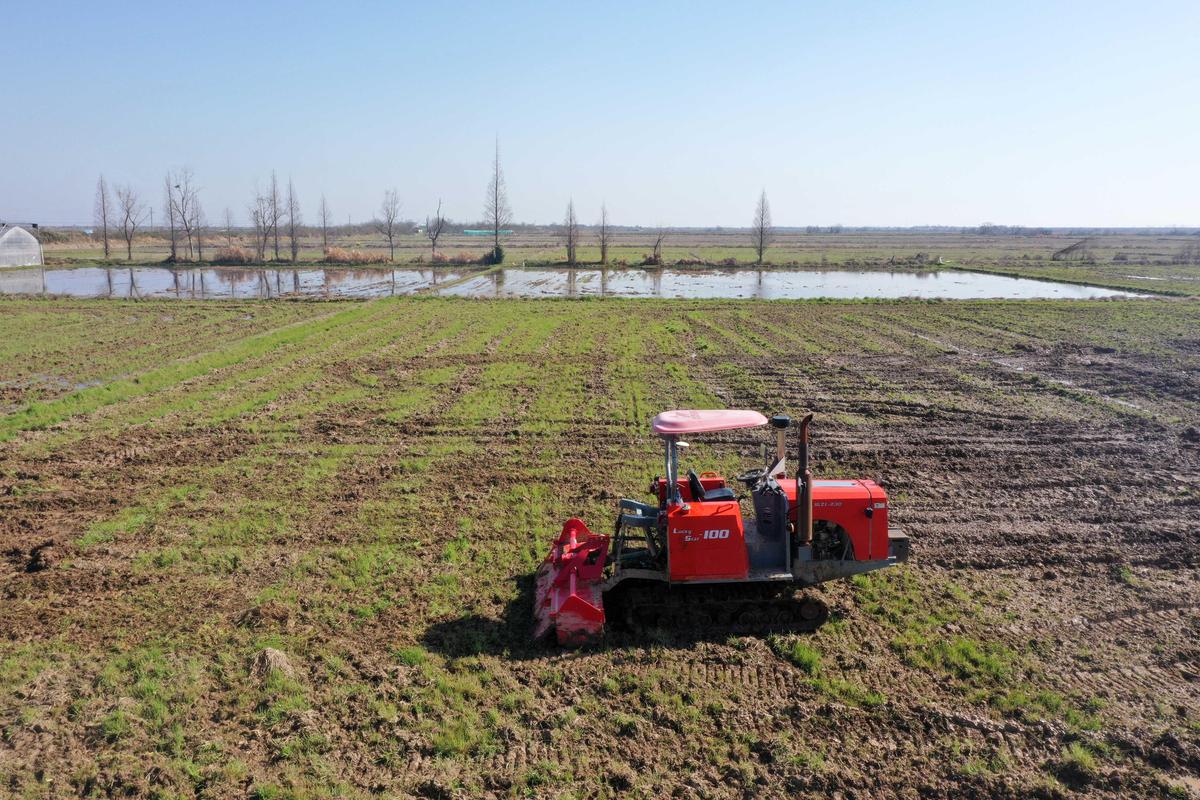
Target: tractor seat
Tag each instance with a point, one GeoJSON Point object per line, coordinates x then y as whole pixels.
{"type": "Point", "coordinates": [700, 495]}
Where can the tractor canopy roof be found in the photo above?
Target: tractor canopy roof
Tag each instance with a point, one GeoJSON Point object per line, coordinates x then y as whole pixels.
{"type": "Point", "coordinates": [680, 421]}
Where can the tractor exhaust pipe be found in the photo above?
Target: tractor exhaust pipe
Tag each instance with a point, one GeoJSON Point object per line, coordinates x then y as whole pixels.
{"type": "Point", "coordinates": [780, 423]}
{"type": "Point", "coordinates": [803, 473]}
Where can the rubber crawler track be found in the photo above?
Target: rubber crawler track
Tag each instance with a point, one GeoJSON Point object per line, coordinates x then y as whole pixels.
{"type": "Point", "coordinates": [713, 610]}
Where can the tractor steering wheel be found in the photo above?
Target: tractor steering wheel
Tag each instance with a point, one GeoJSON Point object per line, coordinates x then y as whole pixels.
{"type": "Point", "coordinates": [762, 479]}
{"type": "Point", "coordinates": [752, 477]}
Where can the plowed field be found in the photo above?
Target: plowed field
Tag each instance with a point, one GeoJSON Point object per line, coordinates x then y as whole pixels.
{"type": "Point", "coordinates": [285, 550]}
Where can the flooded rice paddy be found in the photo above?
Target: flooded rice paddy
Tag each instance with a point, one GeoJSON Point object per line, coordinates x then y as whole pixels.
{"type": "Point", "coordinates": [775, 284]}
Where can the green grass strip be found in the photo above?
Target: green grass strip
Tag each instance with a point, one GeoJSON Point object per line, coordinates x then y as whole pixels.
{"type": "Point", "coordinates": [38, 415]}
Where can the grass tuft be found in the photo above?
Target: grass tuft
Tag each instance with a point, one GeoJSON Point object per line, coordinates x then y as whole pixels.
{"type": "Point", "coordinates": [799, 653]}
{"type": "Point", "coordinates": [412, 656]}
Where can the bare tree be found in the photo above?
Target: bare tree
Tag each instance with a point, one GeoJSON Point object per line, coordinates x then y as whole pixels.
{"type": "Point", "coordinates": [260, 217]}
{"type": "Point", "coordinates": [276, 211]}
{"type": "Point", "coordinates": [228, 228]}
{"type": "Point", "coordinates": [186, 205]}
{"type": "Point", "coordinates": [197, 227]}
{"type": "Point", "coordinates": [183, 209]}
{"type": "Point", "coordinates": [325, 217]}
{"type": "Point", "coordinates": [294, 219]}
{"type": "Point", "coordinates": [389, 214]}
{"type": "Point", "coordinates": [605, 235]}
{"type": "Point", "coordinates": [659, 236]}
{"type": "Point", "coordinates": [571, 232]}
{"type": "Point", "coordinates": [496, 211]}
{"type": "Point", "coordinates": [761, 228]}
{"type": "Point", "coordinates": [132, 212]}
{"type": "Point", "coordinates": [434, 228]}
{"type": "Point", "coordinates": [169, 207]}
{"type": "Point", "coordinates": [103, 210]}
{"type": "Point", "coordinates": [255, 222]}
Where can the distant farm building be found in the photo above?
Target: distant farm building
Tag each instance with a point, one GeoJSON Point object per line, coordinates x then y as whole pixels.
{"type": "Point", "coordinates": [488, 232]}
{"type": "Point", "coordinates": [19, 247]}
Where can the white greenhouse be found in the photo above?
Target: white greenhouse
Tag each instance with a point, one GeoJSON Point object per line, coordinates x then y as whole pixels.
{"type": "Point", "coordinates": [19, 247]}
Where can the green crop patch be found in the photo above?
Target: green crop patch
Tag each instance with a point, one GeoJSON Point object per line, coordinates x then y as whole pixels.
{"type": "Point", "coordinates": [40, 415]}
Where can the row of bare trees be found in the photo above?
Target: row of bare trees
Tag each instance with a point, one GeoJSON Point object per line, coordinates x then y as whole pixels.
{"type": "Point", "coordinates": [762, 232]}
{"type": "Point", "coordinates": [571, 233]}
{"type": "Point", "coordinates": [186, 221]}
{"type": "Point", "coordinates": [125, 215]}
{"type": "Point", "coordinates": [497, 214]}
{"type": "Point", "coordinates": [269, 212]}
{"type": "Point", "coordinates": [272, 210]}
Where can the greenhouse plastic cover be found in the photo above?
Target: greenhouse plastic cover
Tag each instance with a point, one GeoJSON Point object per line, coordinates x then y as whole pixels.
{"type": "Point", "coordinates": [19, 248]}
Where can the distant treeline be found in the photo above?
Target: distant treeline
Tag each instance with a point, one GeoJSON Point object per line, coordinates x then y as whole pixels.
{"type": "Point", "coordinates": [48, 234]}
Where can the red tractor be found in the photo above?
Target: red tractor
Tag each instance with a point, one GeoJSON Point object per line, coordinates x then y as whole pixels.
{"type": "Point", "coordinates": [693, 560]}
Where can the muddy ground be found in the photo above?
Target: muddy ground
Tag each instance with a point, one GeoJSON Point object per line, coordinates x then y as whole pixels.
{"type": "Point", "coordinates": [295, 561]}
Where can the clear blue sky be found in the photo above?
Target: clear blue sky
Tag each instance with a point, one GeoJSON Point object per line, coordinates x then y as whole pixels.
{"type": "Point", "coordinates": [886, 113]}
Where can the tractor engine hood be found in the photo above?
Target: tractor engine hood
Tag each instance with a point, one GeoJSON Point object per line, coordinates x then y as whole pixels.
{"type": "Point", "coordinates": [827, 492]}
